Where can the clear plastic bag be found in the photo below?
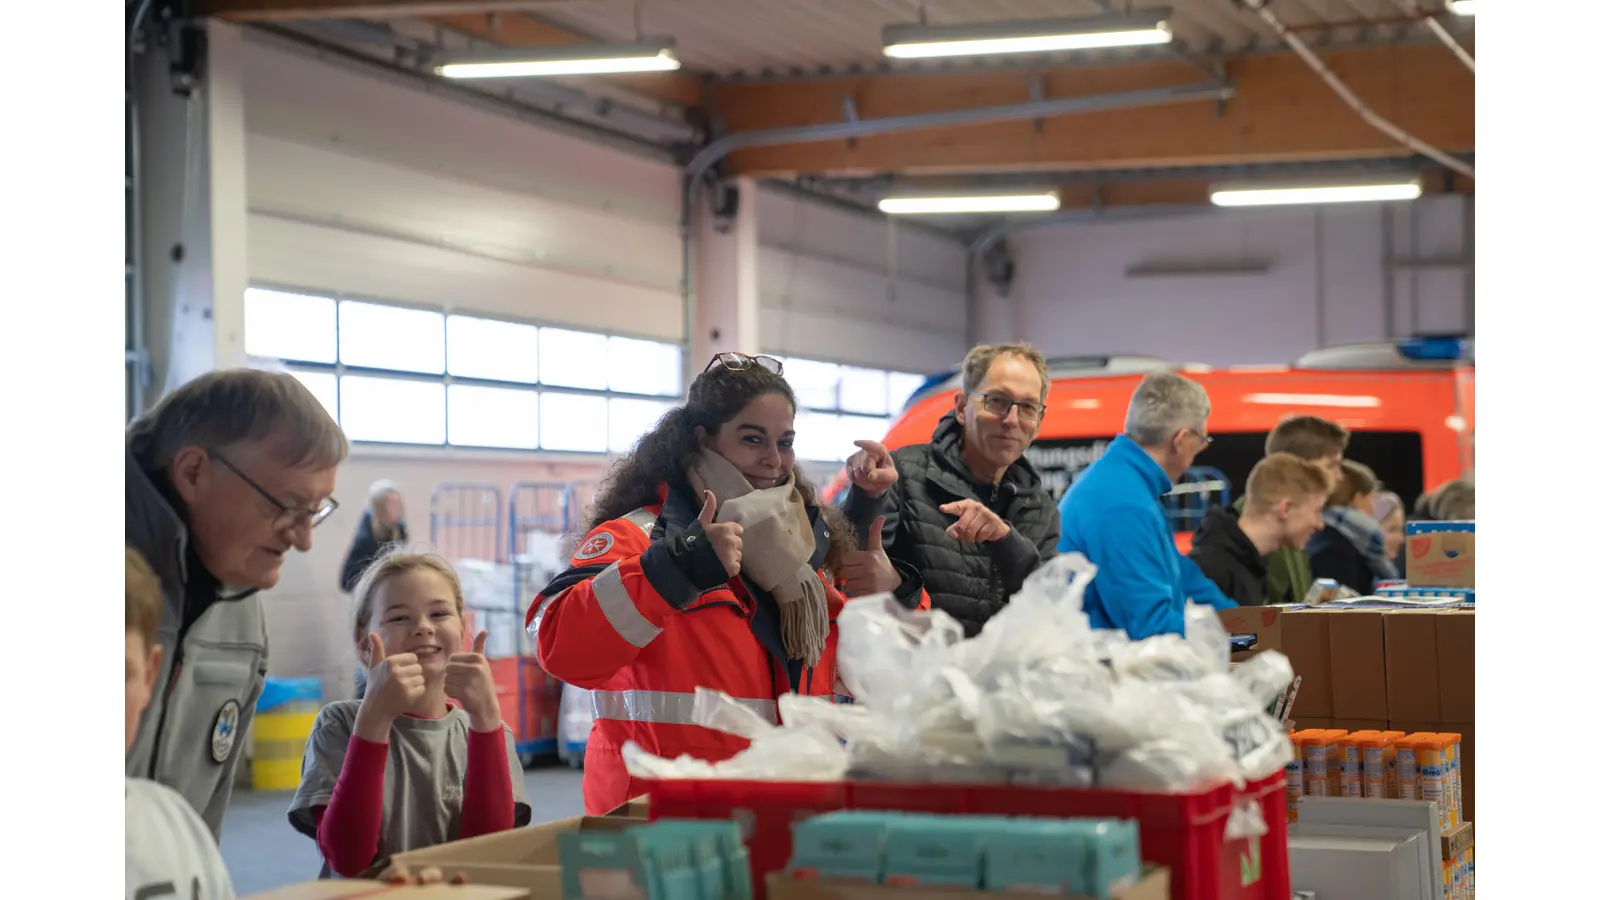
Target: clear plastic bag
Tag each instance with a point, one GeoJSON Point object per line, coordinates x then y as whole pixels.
{"type": "Point", "coordinates": [810, 752]}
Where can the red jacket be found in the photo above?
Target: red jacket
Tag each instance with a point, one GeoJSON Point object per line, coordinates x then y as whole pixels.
{"type": "Point", "coordinates": [644, 616]}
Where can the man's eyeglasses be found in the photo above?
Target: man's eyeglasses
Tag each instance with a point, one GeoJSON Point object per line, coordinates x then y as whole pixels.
{"type": "Point", "coordinates": [287, 516]}
{"type": "Point", "coordinates": [999, 405]}
{"type": "Point", "coordinates": [739, 362]}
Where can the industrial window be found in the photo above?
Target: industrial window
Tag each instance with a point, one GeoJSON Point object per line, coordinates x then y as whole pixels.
{"type": "Point", "coordinates": [392, 374]}
{"type": "Point", "coordinates": [574, 422]}
{"type": "Point", "coordinates": [278, 325]}
{"type": "Point", "coordinates": [390, 337]}
{"type": "Point", "coordinates": [392, 410]}
{"type": "Point", "coordinates": [841, 404]}
{"type": "Point", "coordinates": [631, 418]}
{"type": "Point", "coordinates": [491, 349]}
{"type": "Point", "coordinates": [493, 417]}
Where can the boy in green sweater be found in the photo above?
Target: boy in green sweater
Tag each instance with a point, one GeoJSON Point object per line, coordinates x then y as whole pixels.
{"type": "Point", "coordinates": [1322, 443]}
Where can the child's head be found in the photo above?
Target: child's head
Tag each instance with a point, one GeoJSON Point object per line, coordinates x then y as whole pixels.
{"type": "Point", "coordinates": [1313, 440]}
{"type": "Point", "coordinates": [1390, 512]}
{"type": "Point", "coordinates": [1356, 489]}
{"type": "Point", "coordinates": [412, 602]}
{"type": "Point", "coordinates": [1290, 491]}
{"type": "Point", "coordinates": [144, 657]}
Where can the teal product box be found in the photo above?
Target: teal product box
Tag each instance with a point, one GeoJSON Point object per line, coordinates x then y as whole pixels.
{"type": "Point", "coordinates": [945, 851]}
{"type": "Point", "coordinates": [1089, 857]}
{"type": "Point", "coordinates": [662, 861]}
{"type": "Point", "coordinates": [842, 846]}
{"type": "Point", "coordinates": [597, 865]}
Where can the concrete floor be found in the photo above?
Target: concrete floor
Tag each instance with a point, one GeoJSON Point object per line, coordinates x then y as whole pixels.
{"type": "Point", "coordinates": [263, 852]}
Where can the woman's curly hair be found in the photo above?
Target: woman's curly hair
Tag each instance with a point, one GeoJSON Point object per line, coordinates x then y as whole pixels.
{"type": "Point", "coordinates": [664, 453]}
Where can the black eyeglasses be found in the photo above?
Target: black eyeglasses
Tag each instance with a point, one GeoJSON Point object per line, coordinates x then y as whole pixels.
{"type": "Point", "coordinates": [287, 516]}
{"type": "Point", "coordinates": [1000, 405]}
{"type": "Point", "coordinates": [739, 362]}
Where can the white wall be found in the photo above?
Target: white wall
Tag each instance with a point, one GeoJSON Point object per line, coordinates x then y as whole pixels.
{"type": "Point", "coordinates": [375, 188]}
{"type": "Point", "coordinates": [1326, 284]}
{"type": "Point", "coordinates": [856, 288]}
{"type": "Point", "coordinates": [371, 188]}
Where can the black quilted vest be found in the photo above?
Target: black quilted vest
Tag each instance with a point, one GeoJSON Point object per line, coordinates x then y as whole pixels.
{"type": "Point", "coordinates": [969, 581]}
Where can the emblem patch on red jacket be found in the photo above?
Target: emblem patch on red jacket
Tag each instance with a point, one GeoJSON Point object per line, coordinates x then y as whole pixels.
{"type": "Point", "coordinates": [594, 546]}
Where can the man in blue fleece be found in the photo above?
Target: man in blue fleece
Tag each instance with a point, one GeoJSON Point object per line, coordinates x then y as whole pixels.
{"type": "Point", "coordinates": [1113, 515]}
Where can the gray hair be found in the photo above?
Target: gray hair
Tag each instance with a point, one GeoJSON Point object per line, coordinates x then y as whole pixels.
{"type": "Point", "coordinates": [380, 491]}
{"type": "Point", "coordinates": [226, 407]}
{"type": "Point", "coordinates": [1164, 404]}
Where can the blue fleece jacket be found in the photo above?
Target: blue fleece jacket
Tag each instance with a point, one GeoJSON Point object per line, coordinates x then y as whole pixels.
{"type": "Point", "coordinates": [1112, 514]}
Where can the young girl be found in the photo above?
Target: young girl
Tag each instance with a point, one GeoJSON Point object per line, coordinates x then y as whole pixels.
{"type": "Point", "coordinates": [708, 563]}
{"type": "Point", "coordinates": [423, 758]}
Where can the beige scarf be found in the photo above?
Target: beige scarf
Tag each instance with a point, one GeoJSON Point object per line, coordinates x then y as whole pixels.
{"type": "Point", "coordinates": [778, 545]}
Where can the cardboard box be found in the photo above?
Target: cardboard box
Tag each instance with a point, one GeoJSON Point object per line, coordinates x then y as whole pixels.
{"type": "Point", "coordinates": [637, 808]}
{"type": "Point", "coordinates": [1356, 664]}
{"type": "Point", "coordinates": [526, 858]}
{"type": "Point", "coordinates": [1155, 885]}
{"type": "Point", "coordinates": [335, 890]}
{"type": "Point", "coordinates": [1441, 554]}
{"type": "Point", "coordinates": [1456, 841]}
{"type": "Point", "coordinates": [1429, 664]}
{"type": "Point", "coordinates": [1301, 635]}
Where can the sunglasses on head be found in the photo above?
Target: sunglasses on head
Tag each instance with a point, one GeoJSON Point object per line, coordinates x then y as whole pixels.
{"type": "Point", "coordinates": [739, 362]}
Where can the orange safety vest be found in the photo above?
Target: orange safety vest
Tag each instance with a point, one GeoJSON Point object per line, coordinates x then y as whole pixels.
{"type": "Point", "coordinates": [641, 638]}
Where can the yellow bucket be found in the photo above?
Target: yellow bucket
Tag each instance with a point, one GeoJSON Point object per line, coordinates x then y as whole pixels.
{"type": "Point", "coordinates": [280, 745]}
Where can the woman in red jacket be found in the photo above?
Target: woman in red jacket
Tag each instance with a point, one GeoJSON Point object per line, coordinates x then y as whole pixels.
{"type": "Point", "coordinates": [709, 563]}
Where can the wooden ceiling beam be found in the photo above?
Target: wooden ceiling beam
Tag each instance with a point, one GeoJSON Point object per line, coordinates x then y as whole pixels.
{"type": "Point", "coordinates": [1282, 112]}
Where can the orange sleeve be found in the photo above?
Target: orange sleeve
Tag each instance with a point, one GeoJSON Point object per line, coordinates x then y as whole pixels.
{"type": "Point", "coordinates": [617, 596]}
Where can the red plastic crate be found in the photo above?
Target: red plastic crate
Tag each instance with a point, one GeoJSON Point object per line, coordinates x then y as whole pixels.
{"type": "Point", "coordinates": [1184, 832]}
{"type": "Point", "coordinates": [540, 701]}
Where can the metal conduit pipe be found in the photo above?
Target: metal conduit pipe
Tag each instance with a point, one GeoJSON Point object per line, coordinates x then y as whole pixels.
{"type": "Point", "coordinates": [135, 195]}
{"type": "Point", "coordinates": [1444, 36]}
{"type": "Point", "coordinates": [713, 152]}
{"type": "Point", "coordinates": [1349, 97]}
{"type": "Point", "coordinates": [710, 154]}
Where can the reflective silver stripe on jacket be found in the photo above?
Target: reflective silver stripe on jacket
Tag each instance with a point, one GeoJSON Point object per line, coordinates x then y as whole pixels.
{"type": "Point", "coordinates": [644, 519]}
{"type": "Point", "coordinates": [662, 707]}
{"type": "Point", "coordinates": [620, 611]}
{"type": "Point", "coordinates": [647, 523]}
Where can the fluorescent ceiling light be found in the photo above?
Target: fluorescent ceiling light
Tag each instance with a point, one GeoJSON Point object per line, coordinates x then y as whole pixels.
{"type": "Point", "coordinates": [991, 203]}
{"type": "Point", "coordinates": [1244, 195]}
{"type": "Point", "coordinates": [1463, 7]}
{"type": "Point", "coordinates": [1041, 36]}
{"type": "Point", "coordinates": [541, 62]}
{"type": "Point", "coordinates": [1348, 401]}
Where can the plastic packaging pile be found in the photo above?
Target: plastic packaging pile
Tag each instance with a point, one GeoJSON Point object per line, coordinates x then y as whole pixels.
{"type": "Point", "coordinates": [1036, 698]}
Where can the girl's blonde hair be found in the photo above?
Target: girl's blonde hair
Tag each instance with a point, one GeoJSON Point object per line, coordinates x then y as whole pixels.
{"type": "Point", "coordinates": [392, 565]}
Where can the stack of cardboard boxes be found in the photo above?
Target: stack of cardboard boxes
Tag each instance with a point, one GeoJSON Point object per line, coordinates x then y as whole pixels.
{"type": "Point", "coordinates": [1384, 669]}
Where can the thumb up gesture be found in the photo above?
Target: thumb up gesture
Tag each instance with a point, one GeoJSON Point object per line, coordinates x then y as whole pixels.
{"type": "Point", "coordinates": [468, 680]}
{"type": "Point", "coordinates": [868, 570]}
{"type": "Point", "coordinates": [727, 538]}
{"type": "Point", "coordinates": [394, 685]}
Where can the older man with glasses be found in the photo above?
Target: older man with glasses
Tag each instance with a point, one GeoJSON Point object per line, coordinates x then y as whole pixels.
{"type": "Point", "coordinates": [967, 510]}
{"type": "Point", "coordinates": [1113, 515]}
{"type": "Point", "coordinates": [225, 475]}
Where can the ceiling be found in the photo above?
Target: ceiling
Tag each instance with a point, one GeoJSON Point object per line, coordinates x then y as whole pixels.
{"type": "Point", "coordinates": [754, 69]}
{"type": "Point", "coordinates": [786, 38]}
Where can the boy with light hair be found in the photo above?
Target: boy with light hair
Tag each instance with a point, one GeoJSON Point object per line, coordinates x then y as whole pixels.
{"type": "Point", "coordinates": [1323, 444]}
{"type": "Point", "coordinates": [1281, 509]}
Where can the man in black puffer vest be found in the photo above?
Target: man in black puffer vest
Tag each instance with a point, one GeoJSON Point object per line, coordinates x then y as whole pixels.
{"type": "Point", "coordinates": [967, 510]}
